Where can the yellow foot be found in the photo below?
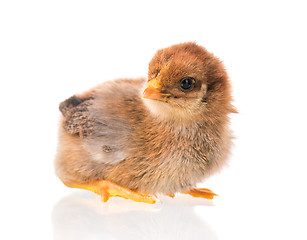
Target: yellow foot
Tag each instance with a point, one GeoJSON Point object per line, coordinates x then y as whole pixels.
{"type": "Point", "coordinates": [107, 189]}
{"type": "Point", "coordinates": [201, 192]}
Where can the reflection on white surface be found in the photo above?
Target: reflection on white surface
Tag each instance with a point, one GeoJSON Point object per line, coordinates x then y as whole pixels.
{"type": "Point", "coordinates": [85, 217]}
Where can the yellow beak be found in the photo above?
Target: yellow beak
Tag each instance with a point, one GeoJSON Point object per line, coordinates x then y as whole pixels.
{"type": "Point", "coordinates": [153, 92]}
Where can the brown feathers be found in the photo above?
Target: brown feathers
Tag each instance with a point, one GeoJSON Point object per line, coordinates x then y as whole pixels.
{"type": "Point", "coordinates": [165, 143]}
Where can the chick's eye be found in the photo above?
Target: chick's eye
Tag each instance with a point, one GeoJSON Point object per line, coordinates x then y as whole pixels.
{"type": "Point", "coordinates": [187, 83]}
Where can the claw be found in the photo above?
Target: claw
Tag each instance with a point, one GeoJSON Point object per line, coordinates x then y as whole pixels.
{"type": "Point", "coordinates": [201, 192]}
{"type": "Point", "coordinates": [171, 195]}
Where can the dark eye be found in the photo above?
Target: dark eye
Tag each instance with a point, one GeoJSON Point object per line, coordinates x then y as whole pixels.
{"type": "Point", "coordinates": [187, 84]}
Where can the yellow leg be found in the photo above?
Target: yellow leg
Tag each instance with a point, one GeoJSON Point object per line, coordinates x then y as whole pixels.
{"type": "Point", "coordinates": [201, 192]}
{"type": "Point", "coordinates": [107, 189]}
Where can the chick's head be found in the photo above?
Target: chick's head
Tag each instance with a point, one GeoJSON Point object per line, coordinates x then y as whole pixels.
{"type": "Point", "coordinates": [184, 81]}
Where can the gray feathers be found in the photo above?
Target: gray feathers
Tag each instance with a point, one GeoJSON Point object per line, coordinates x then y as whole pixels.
{"type": "Point", "coordinates": [75, 111]}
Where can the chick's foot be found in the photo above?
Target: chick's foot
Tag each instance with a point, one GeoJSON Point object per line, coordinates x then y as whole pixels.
{"type": "Point", "coordinates": [201, 192]}
{"type": "Point", "coordinates": [107, 189]}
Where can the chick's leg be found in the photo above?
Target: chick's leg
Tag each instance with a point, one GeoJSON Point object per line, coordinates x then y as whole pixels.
{"type": "Point", "coordinates": [201, 192]}
{"type": "Point", "coordinates": [107, 189]}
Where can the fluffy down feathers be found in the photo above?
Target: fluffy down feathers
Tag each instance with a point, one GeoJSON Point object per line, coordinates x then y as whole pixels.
{"type": "Point", "coordinates": [149, 145]}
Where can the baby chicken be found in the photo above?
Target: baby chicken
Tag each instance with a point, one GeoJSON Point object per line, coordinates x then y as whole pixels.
{"type": "Point", "coordinates": [135, 138]}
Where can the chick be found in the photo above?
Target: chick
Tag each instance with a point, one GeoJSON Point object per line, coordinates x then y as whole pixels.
{"type": "Point", "coordinates": [136, 138]}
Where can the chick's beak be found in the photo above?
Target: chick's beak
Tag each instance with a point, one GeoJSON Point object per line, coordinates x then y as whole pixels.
{"type": "Point", "coordinates": [153, 91]}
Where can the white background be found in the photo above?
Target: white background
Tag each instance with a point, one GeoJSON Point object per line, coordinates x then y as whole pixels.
{"type": "Point", "coordinates": [50, 50]}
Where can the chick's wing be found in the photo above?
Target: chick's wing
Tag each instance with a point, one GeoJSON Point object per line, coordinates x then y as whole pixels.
{"type": "Point", "coordinates": [76, 116]}
{"type": "Point", "coordinates": [103, 121]}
